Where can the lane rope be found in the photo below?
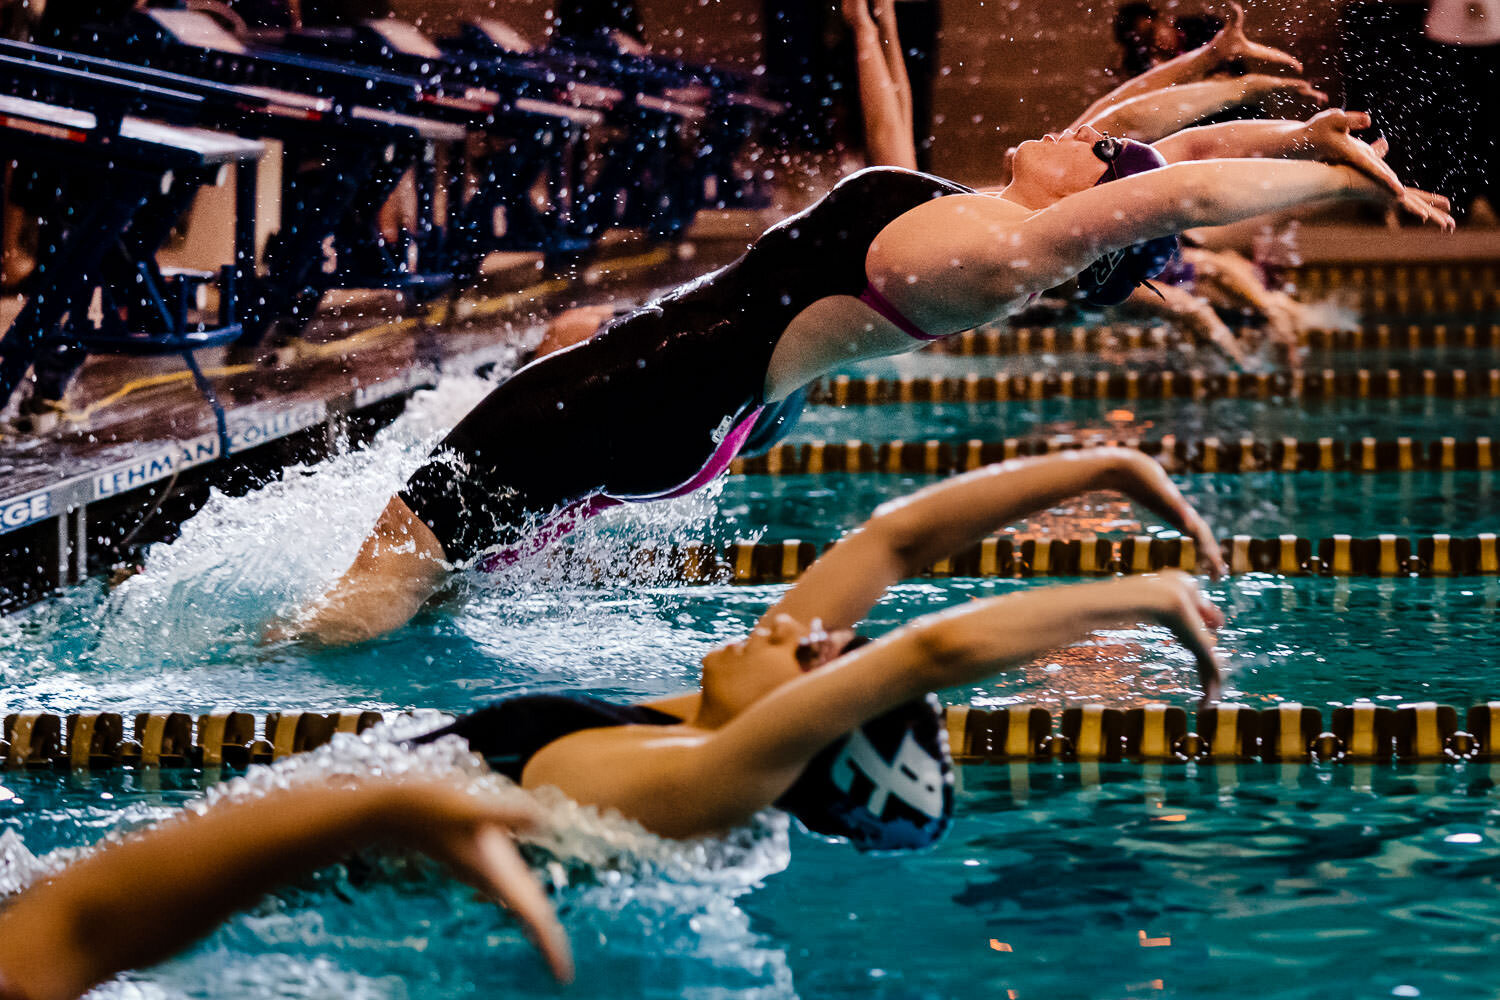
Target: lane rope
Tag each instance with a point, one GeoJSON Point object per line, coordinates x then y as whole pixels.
{"type": "Point", "coordinates": [1287, 732]}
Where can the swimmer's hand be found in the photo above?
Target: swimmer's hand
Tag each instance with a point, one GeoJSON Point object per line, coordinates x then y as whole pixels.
{"type": "Point", "coordinates": [1142, 479]}
{"type": "Point", "coordinates": [470, 834]}
{"type": "Point", "coordinates": [1230, 45]}
{"type": "Point", "coordinates": [1258, 86]}
{"type": "Point", "coordinates": [1177, 603]}
{"type": "Point", "coordinates": [1328, 137]}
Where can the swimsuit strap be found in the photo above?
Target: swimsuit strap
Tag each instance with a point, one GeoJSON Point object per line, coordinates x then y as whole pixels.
{"type": "Point", "coordinates": [872, 298]}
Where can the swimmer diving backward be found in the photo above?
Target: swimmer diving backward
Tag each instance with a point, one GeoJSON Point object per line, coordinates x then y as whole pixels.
{"type": "Point", "coordinates": [109, 911]}
{"type": "Point", "coordinates": [784, 716]}
{"type": "Point", "coordinates": [660, 401]}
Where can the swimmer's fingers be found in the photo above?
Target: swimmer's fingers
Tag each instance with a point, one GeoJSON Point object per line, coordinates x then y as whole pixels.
{"type": "Point", "coordinates": [1427, 208]}
{"type": "Point", "coordinates": [1192, 618]}
{"type": "Point", "coordinates": [1147, 483]}
{"type": "Point", "coordinates": [504, 874]}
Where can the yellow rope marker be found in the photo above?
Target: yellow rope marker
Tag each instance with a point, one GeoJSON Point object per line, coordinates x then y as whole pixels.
{"type": "Point", "coordinates": [943, 567]}
{"type": "Point", "coordinates": [1065, 385]}
{"type": "Point", "coordinates": [1089, 745]}
{"type": "Point", "coordinates": [1484, 459]}
{"type": "Point", "coordinates": [153, 733]}
{"type": "Point", "coordinates": [1329, 383]}
{"type": "Point", "coordinates": [692, 561]}
{"type": "Point", "coordinates": [34, 738]}
{"type": "Point", "coordinates": [1367, 454]}
{"type": "Point", "coordinates": [281, 733]}
{"type": "Point", "coordinates": [1041, 560]}
{"type": "Point", "coordinates": [815, 450]}
{"type": "Point", "coordinates": [1168, 385]}
{"type": "Point", "coordinates": [841, 390]}
{"type": "Point", "coordinates": [1232, 385]}
{"type": "Point", "coordinates": [1392, 382]}
{"type": "Point", "coordinates": [356, 722]}
{"type": "Point", "coordinates": [1429, 382]}
{"type": "Point", "coordinates": [1156, 732]}
{"type": "Point", "coordinates": [971, 388]}
{"type": "Point", "coordinates": [1210, 455]}
{"type": "Point", "coordinates": [1019, 744]}
{"type": "Point", "coordinates": [1049, 340]}
{"type": "Point", "coordinates": [1362, 382]}
{"type": "Point", "coordinates": [790, 567]}
{"type": "Point", "coordinates": [1248, 462]}
{"type": "Point", "coordinates": [1425, 731]}
{"type": "Point", "coordinates": [932, 453]}
{"type": "Point", "coordinates": [1489, 558]}
{"type": "Point", "coordinates": [1036, 383]}
{"type": "Point", "coordinates": [1364, 740]}
{"type": "Point", "coordinates": [1010, 449]}
{"type": "Point", "coordinates": [989, 557]}
{"type": "Point", "coordinates": [966, 341]}
{"type": "Point", "coordinates": [773, 462]}
{"type": "Point", "coordinates": [1132, 384]}
{"type": "Point", "coordinates": [1288, 564]}
{"type": "Point", "coordinates": [1448, 455]}
{"type": "Point", "coordinates": [1289, 742]}
{"type": "Point", "coordinates": [1442, 556]}
{"type": "Point", "coordinates": [1471, 335]}
{"type": "Point", "coordinates": [906, 391]}
{"type": "Point", "coordinates": [1188, 561]}
{"type": "Point", "coordinates": [1140, 556]}
{"type": "Point", "coordinates": [1388, 565]}
{"type": "Point", "coordinates": [744, 561]}
{"type": "Point", "coordinates": [1101, 385]}
{"type": "Point", "coordinates": [1404, 459]}
{"type": "Point", "coordinates": [94, 738]}
{"type": "Point", "coordinates": [1196, 386]}
{"type": "Point", "coordinates": [1023, 340]}
{"type": "Point", "coordinates": [973, 454]}
{"type": "Point", "coordinates": [1239, 554]}
{"type": "Point", "coordinates": [1343, 560]}
{"type": "Point", "coordinates": [956, 722]}
{"type": "Point", "coordinates": [1224, 743]}
{"type": "Point", "coordinates": [1289, 454]}
{"type": "Point", "coordinates": [1134, 337]}
{"type": "Point", "coordinates": [872, 388]}
{"type": "Point", "coordinates": [852, 453]}
{"type": "Point", "coordinates": [1088, 551]}
{"type": "Point", "coordinates": [1460, 383]}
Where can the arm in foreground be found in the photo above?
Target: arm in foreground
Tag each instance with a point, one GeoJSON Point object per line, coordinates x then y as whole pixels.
{"type": "Point", "coordinates": [906, 536]}
{"type": "Point", "coordinates": [63, 936]}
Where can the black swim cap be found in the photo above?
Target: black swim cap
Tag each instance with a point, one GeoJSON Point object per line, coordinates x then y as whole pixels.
{"type": "Point", "coordinates": [887, 786]}
{"type": "Point", "coordinates": [1110, 279]}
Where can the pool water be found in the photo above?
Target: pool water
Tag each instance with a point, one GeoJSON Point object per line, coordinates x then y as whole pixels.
{"type": "Point", "coordinates": [1055, 881]}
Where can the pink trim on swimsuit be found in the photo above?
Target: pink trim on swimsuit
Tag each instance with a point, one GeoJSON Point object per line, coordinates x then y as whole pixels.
{"type": "Point", "coordinates": [575, 513]}
{"type": "Point", "coordinates": [872, 298]}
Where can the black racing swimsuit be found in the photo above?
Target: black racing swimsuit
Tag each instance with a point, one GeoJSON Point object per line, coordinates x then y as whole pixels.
{"type": "Point", "coordinates": [642, 408]}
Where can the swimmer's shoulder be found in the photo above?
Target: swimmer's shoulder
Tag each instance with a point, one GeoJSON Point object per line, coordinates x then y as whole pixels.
{"type": "Point", "coordinates": [592, 765]}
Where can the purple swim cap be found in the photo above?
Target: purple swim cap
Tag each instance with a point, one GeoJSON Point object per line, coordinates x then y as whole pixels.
{"type": "Point", "coordinates": [1110, 279]}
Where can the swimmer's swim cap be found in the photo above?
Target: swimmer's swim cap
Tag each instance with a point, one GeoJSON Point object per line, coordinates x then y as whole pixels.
{"type": "Point", "coordinates": [1109, 280]}
{"type": "Point", "coordinates": [887, 786]}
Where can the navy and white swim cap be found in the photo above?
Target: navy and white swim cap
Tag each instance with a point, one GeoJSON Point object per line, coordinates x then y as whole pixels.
{"type": "Point", "coordinates": [887, 786]}
{"type": "Point", "coordinates": [1110, 279]}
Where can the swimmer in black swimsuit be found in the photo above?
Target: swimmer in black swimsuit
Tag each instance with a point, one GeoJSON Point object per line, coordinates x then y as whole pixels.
{"type": "Point", "coordinates": [846, 735]}
{"type": "Point", "coordinates": [658, 404]}
{"type": "Point", "coordinates": [140, 900]}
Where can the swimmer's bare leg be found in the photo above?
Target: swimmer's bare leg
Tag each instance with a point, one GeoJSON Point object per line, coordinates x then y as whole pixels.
{"type": "Point", "coordinates": [397, 569]}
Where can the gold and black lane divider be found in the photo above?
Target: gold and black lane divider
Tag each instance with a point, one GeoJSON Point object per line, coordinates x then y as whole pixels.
{"type": "Point", "coordinates": [1287, 732]}
{"type": "Point", "coordinates": [1092, 556]}
{"type": "Point", "coordinates": [1335, 276]}
{"type": "Point", "coordinates": [1211, 454]}
{"type": "Point", "coordinates": [1117, 383]}
{"type": "Point", "coordinates": [996, 341]}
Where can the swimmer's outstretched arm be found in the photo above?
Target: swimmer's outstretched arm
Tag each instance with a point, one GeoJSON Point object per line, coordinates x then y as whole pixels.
{"type": "Point", "coordinates": [906, 536]}
{"type": "Point", "coordinates": [683, 785]}
{"type": "Point", "coordinates": [1229, 46]}
{"type": "Point", "coordinates": [98, 917]}
{"type": "Point", "coordinates": [1159, 113]}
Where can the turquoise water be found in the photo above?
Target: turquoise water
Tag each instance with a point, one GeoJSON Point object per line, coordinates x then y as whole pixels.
{"type": "Point", "coordinates": [1056, 882]}
{"type": "Point", "coordinates": [1109, 883]}
{"type": "Point", "coordinates": [1311, 504]}
{"type": "Point", "coordinates": [1387, 419]}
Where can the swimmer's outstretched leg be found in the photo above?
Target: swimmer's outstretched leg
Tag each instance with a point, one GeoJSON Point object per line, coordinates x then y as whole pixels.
{"type": "Point", "coordinates": [397, 569]}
